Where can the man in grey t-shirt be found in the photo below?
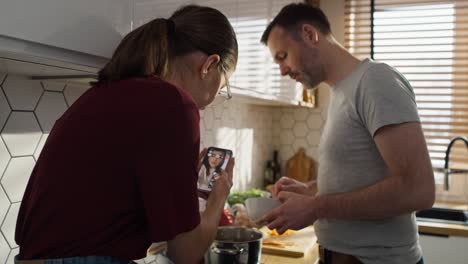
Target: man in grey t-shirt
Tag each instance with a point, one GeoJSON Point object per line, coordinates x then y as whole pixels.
{"type": "Point", "coordinates": [374, 167]}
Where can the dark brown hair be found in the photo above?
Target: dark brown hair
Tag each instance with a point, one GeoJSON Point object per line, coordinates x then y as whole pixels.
{"type": "Point", "coordinates": [149, 49]}
{"type": "Point", "coordinates": [292, 16]}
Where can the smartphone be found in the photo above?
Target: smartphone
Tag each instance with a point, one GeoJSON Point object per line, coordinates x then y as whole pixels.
{"type": "Point", "coordinates": [214, 161]}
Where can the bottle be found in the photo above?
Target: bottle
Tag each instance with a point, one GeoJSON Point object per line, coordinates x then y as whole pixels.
{"type": "Point", "coordinates": [276, 166]}
{"type": "Point", "coordinates": [269, 174]}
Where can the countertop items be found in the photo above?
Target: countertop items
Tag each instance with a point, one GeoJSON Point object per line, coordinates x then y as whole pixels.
{"type": "Point", "coordinates": [258, 206]}
{"type": "Point", "coordinates": [291, 243]}
{"type": "Point", "coordinates": [310, 257]}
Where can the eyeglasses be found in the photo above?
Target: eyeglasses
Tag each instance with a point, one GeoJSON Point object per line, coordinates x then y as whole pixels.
{"type": "Point", "coordinates": [223, 96]}
{"type": "Point", "coordinates": [218, 156]}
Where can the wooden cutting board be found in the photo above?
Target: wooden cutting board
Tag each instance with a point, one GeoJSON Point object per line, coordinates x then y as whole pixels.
{"type": "Point", "coordinates": [301, 167]}
{"type": "Point", "coordinates": [295, 245]}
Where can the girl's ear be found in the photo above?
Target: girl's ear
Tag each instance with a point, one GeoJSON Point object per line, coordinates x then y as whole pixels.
{"type": "Point", "coordinates": [211, 62]}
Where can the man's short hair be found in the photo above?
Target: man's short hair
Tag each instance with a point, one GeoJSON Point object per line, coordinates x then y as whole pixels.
{"type": "Point", "coordinates": [292, 16]}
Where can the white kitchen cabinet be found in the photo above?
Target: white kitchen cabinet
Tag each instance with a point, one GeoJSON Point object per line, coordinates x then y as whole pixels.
{"type": "Point", "coordinates": [447, 250]}
{"type": "Point", "coordinates": [147, 10]}
{"type": "Point", "coordinates": [93, 27]}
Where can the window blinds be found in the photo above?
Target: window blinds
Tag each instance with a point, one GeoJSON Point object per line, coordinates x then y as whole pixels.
{"type": "Point", "coordinates": [426, 40]}
{"type": "Point", "coordinates": [255, 69]}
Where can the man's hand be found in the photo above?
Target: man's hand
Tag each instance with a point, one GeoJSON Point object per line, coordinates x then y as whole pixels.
{"type": "Point", "coordinates": [291, 185]}
{"type": "Point", "coordinates": [296, 212]}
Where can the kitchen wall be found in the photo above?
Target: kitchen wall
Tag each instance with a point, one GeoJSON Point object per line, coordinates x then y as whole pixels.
{"type": "Point", "coordinates": [28, 110]}
{"type": "Point", "coordinates": [296, 127]}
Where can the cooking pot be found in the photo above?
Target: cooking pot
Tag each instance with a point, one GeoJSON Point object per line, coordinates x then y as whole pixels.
{"type": "Point", "coordinates": [239, 245]}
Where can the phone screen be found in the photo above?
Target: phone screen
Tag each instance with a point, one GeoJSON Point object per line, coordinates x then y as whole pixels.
{"type": "Point", "coordinates": [215, 160]}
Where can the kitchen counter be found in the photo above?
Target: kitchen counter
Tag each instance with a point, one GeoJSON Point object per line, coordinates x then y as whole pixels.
{"type": "Point", "coordinates": [423, 226]}
{"type": "Point", "coordinates": [310, 257]}
{"type": "Point", "coordinates": [447, 229]}
{"type": "Point", "coordinates": [441, 228]}
{"type": "Point", "coordinates": [426, 227]}
{"type": "Point", "coordinates": [456, 206]}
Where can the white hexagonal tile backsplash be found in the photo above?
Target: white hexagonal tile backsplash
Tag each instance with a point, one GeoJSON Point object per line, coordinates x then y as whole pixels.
{"type": "Point", "coordinates": [4, 109]}
{"type": "Point", "coordinates": [53, 86]}
{"type": "Point", "coordinates": [9, 225]}
{"type": "Point", "coordinates": [300, 130]}
{"type": "Point", "coordinates": [22, 93]}
{"type": "Point", "coordinates": [50, 108]}
{"type": "Point", "coordinates": [287, 120]}
{"type": "Point", "coordinates": [4, 205]}
{"type": "Point", "coordinates": [208, 117]}
{"type": "Point", "coordinates": [299, 143]}
{"type": "Point", "coordinates": [73, 92]}
{"type": "Point", "coordinates": [2, 77]}
{"type": "Point", "coordinates": [287, 137]}
{"type": "Point", "coordinates": [4, 250]}
{"type": "Point", "coordinates": [16, 177]}
{"type": "Point", "coordinates": [21, 133]}
{"type": "Point", "coordinates": [11, 257]}
{"type": "Point", "coordinates": [314, 121]}
{"type": "Point", "coordinates": [301, 114]}
{"type": "Point", "coordinates": [313, 138]}
{"type": "Point", "coordinates": [40, 146]}
{"type": "Point", "coordinates": [4, 157]}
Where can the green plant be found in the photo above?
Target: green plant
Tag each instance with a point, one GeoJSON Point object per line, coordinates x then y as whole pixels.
{"type": "Point", "coordinates": [239, 197]}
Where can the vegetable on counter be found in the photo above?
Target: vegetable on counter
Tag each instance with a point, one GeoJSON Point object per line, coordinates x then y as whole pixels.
{"type": "Point", "coordinates": [239, 197]}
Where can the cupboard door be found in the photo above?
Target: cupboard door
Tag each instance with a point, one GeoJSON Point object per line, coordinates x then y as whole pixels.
{"type": "Point", "coordinates": [89, 26]}
{"type": "Point", "coordinates": [447, 250]}
{"type": "Point", "coordinates": [147, 10]}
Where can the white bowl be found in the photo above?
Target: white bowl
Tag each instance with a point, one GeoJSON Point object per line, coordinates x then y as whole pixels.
{"type": "Point", "coordinates": [258, 206]}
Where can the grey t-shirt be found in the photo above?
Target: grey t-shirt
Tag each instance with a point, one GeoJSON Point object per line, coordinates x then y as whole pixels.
{"type": "Point", "coordinates": [372, 96]}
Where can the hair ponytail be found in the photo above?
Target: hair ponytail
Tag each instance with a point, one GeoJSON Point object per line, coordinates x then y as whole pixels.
{"type": "Point", "coordinates": [149, 49]}
{"type": "Point", "coordinates": [142, 52]}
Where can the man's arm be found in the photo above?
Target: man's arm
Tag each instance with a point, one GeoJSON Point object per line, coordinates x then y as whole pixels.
{"type": "Point", "coordinates": [408, 187]}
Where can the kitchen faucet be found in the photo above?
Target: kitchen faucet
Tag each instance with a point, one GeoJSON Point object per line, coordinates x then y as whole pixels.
{"type": "Point", "coordinates": [448, 171]}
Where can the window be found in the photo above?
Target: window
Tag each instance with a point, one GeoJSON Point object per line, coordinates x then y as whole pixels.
{"type": "Point", "coordinates": [255, 68]}
{"type": "Point", "coordinates": [427, 41]}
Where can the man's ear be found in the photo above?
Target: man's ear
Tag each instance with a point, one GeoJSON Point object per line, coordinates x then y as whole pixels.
{"type": "Point", "coordinates": [210, 63]}
{"type": "Point", "coordinates": [310, 34]}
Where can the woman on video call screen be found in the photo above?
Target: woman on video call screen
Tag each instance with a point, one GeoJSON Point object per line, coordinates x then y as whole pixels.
{"type": "Point", "coordinates": [212, 165]}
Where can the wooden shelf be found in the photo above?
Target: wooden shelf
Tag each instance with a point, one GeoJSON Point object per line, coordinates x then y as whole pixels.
{"type": "Point", "coordinates": [261, 98]}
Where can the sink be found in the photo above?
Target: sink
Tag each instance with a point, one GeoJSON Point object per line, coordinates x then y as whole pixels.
{"type": "Point", "coordinates": [446, 215]}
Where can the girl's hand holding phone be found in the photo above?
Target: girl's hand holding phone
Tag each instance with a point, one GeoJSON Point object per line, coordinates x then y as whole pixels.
{"type": "Point", "coordinates": [201, 156]}
{"type": "Point", "coordinates": [223, 181]}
